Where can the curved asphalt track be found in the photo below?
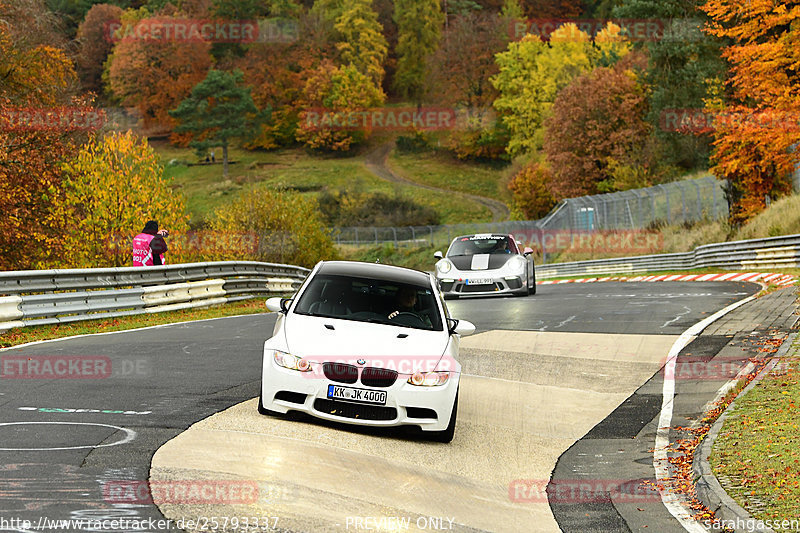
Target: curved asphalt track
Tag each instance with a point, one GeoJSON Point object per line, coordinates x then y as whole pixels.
{"type": "Point", "coordinates": [59, 439]}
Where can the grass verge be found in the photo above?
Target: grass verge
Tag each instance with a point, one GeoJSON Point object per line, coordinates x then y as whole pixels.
{"type": "Point", "coordinates": [445, 172]}
{"type": "Point", "coordinates": [295, 169]}
{"type": "Point", "coordinates": [758, 449]}
{"type": "Point", "coordinates": [19, 336]}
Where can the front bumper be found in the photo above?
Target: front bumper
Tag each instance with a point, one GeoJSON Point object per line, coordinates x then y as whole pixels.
{"type": "Point", "coordinates": [284, 390]}
{"type": "Point", "coordinates": [460, 284]}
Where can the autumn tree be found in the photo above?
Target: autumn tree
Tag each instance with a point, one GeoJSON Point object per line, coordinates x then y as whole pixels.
{"type": "Point", "coordinates": [330, 98]}
{"type": "Point", "coordinates": [530, 74]}
{"type": "Point", "coordinates": [34, 78]}
{"type": "Point", "coordinates": [462, 69]}
{"type": "Point", "coordinates": [113, 185]}
{"type": "Point", "coordinates": [597, 133]}
{"type": "Point", "coordinates": [756, 150]}
{"type": "Point", "coordinates": [362, 43]}
{"type": "Point", "coordinates": [288, 226]}
{"type": "Point", "coordinates": [95, 44]}
{"type": "Point", "coordinates": [218, 111]}
{"type": "Point", "coordinates": [530, 189]}
{"type": "Point", "coordinates": [419, 27]}
{"type": "Point", "coordinates": [154, 75]}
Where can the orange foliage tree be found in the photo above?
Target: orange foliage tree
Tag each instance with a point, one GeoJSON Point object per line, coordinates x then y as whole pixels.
{"type": "Point", "coordinates": [755, 145]}
{"type": "Point", "coordinates": [35, 79]}
{"type": "Point", "coordinates": [155, 75]}
{"type": "Point", "coordinates": [95, 43]}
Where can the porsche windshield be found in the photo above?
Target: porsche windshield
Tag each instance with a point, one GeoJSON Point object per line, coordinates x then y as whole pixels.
{"type": "Point", "coordinates": [371, 300]}
{"type": "Point", "coordinates": [481, 245]}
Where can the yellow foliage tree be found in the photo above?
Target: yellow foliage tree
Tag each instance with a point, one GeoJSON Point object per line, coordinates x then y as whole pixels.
{"type": "Point", "coordinates": [286, 226]}
{"type": "Point", "coordinates": [114, 185]}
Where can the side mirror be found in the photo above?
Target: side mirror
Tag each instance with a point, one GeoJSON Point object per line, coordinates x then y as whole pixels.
{"type": "Point", "coordinates": [460, 327]}
{"type": "Point", "coordinates": [527, 251]}
{"type": "Point", "coordinates": [438, 255]}
{"type": "Point", "coordinates": [279, 305]}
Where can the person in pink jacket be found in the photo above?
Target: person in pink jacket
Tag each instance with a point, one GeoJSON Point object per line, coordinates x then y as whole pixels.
{"type": "Point", "coordinates": [149, 246]}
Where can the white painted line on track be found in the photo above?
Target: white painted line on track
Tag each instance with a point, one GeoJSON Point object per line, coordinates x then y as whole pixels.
{"type": "Point", "coordinates": [660, 463]}
{"type": "Point", "coordinates": [129, 436]}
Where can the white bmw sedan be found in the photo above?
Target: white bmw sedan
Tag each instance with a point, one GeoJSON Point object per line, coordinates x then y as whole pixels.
{"type": "Point", "coordinates": [365, 344]}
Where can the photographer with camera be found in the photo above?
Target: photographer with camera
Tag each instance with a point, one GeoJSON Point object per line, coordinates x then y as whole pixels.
{"type": "Point", "coordinates": [149, 246]}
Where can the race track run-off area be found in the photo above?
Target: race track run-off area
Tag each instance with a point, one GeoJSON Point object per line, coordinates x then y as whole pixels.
{"type": "Point", "coordinates": [175, 405]}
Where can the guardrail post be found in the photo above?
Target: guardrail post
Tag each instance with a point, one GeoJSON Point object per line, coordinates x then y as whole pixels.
{"type": "Point", "coordinates": [376, 234]}
{"type": "Point", "coordinates": [413, 234]}
{"type": "Point", "coordinates": [431, 228]}
{"type": "Point", "coordinates": [356, 237]}
{"type": "Point", "coordinates": [394, 232]}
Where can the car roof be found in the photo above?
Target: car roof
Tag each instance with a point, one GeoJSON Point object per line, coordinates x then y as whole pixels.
{"type": "Point", "coordinates": [375, 271]}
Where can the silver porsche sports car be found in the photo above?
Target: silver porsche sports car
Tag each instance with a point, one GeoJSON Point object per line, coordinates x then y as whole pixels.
{"type": "Point", "coordinates": [485, 264]}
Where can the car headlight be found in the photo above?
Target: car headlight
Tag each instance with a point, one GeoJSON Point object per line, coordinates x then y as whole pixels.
{"type": "Point", "coordinates": [444, 266]}
{"type": "Point", "coordinates": [429, 379]}
{"type": "Point", "coordinates": [292, 362]}
{"type": "Point", "coordinates": [516, 264]}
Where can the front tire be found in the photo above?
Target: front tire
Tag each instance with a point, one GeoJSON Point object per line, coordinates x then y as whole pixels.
{"type": "Point", "coordinates": [448, 434]}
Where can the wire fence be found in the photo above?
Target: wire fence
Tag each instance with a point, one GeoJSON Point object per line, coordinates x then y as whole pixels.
{"type": "Point", "coordinates": [671, 203]}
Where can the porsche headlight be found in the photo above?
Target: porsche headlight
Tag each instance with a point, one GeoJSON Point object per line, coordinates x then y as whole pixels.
{"type": "Point", "coordinates": [444, 266]}
{"type": "Point", "coordinates": [292, 362]}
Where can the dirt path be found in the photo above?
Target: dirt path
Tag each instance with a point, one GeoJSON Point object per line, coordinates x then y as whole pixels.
{"type": "Point", "coordinates": [375, 162]}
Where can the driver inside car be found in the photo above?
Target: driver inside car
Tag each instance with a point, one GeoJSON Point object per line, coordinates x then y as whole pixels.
{"type": "Point", "coordinates": [405, 301]}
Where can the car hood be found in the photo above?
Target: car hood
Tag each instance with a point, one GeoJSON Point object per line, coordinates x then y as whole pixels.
{"type": "Point", "coordinates": [309, 337]}
{"type": "Point", "coordinates": [480, 261]}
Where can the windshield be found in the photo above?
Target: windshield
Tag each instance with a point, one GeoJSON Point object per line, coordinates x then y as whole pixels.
{"type": "Point", "coordinates": [370, 300]}
{"type": "Point", "coordinates": [494, 244]}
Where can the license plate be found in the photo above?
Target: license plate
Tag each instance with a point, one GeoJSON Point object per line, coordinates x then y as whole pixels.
{"type": "Point", "coordinates": [480, 281]}
{"type": "Point", "coordinates": [350, 394]}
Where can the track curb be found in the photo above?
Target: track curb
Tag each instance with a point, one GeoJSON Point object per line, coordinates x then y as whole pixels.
{"type": "Point", "coordinates": [782, 280]}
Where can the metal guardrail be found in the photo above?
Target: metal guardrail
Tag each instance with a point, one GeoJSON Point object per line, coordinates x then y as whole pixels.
{"type": "Point", "coordinates": [772, 252]}
{"type": "Point", "coordinates": [37, 297]}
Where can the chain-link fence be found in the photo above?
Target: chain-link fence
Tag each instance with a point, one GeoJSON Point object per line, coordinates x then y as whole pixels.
{"type": "Point", "coordinates": [671, 203]}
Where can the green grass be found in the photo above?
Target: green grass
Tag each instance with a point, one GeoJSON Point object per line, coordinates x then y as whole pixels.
{"type": "Point", "coordinates": [205, 189]}
{"type": "Point", "coordinates": [758, 448]}
{"type": "Point", "coordinates": [445, 172]}
{"type": "Point", "coordinates": [19, 336]}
